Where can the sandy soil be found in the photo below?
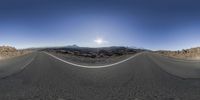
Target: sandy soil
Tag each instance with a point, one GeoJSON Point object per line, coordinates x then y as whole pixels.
{"type": "Point", "coordinates": [195, 58]}
{"type": "Point", "coordinates": [8, 55]}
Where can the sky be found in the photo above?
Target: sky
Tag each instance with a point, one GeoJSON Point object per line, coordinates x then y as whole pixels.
{"type": "Point", "coordinates": [150, 24]}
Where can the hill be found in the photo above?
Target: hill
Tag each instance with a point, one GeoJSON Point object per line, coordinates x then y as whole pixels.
{"type": "Point", "coordinates": [94, 52]}
{"type": "Point", "coordinates": [192, 53]}
{"type": "Point", "coordinates": [93, 56]}
{"type": "Point", "coordinates": [8, 51]}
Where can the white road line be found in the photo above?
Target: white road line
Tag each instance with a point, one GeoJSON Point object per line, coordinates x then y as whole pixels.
{"type": "Point", "coordinates": [92, 66]}
{"type": "Point", "coordinates": [28, 63]}
{"type": "Point", "coordinates": [3, 75]}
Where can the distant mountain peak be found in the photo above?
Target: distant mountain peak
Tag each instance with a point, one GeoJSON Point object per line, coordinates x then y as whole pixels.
{"type": "Point", "coordinates": [73, 46]}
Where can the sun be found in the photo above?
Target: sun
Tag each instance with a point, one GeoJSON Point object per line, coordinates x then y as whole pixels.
{"type": "Point", "coordinates": [98, 41]}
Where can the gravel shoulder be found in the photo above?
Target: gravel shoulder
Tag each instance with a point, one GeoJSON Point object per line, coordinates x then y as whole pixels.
{"type": "Point", "coordinates": [179, 67]}
{"type": "Point", "coordinates": [189, 59]}
{"type": "Point", "coordinates": [13, 65]}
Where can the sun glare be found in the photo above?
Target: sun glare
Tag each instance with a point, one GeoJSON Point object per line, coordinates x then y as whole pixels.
{"type": "Point", "coordinates": [98, 41]}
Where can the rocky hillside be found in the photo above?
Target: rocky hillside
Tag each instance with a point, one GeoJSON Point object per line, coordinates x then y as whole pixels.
{"type": "Point", "coordinates": [103, 52]}
{"type": "Point", "coordinates": [7, 51]}
{"type": "Point", "coordinates": [193, 53]}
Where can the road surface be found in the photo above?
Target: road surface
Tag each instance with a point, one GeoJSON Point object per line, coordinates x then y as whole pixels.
{"type": "Point", "coordinates": [39, 76]}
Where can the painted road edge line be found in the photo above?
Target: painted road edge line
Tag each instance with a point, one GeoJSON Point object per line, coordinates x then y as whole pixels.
{"type": "Point", "coordinates": [78, 65]}
{"type": "Point", "coordinates": [29, 62]}
{"type": "Point", "coordinates": [20, 69]}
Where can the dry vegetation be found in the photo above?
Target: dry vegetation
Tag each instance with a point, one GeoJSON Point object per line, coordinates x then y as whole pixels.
{"type": "Point", "coordinates": [103, 52]}
{"type": "Point", "coordinates": [193, 53]}
{"type": "Point", "coordinates": [7, 52]}
{"type": "Point", "coordinates": [96, 56]}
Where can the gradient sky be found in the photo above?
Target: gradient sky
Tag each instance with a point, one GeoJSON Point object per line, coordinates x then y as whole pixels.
{"type": "Point", "coordinates": [151, 24]}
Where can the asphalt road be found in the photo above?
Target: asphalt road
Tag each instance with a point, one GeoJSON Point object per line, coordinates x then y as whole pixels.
{"type": "Point", "coordinates": [39, 76]}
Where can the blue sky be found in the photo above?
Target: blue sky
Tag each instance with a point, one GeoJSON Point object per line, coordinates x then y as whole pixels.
{"type": "Point", "coordinates": [151, 24]}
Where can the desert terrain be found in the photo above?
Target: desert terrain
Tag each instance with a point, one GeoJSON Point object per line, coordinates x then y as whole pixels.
{"type": "Point", "coordinates": [146, 76]}
{"type": "Point", "coordinates": [9, 52]}
{"type": "Point", "coordinates": [93, 56]}
{"type": "Point", "coordinates": [189, 54]}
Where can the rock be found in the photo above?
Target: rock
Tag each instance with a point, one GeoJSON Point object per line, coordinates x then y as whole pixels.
{"type": "Point", "coordinates": [8, 51]}
{"type": "Point", "coordinates": [193, 53]}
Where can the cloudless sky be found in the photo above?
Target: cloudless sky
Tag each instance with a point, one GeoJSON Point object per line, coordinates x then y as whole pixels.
{"type": "Point", "coordinates": [151, 24]}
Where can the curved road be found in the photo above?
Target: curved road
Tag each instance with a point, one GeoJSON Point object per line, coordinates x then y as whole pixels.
{"type": "Point", "coordinates": [39, 76]}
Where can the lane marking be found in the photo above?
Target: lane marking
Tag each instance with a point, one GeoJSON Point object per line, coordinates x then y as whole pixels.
{"type": "Point", "coordinates": [28, 63]}
{"type": "Point", "coordinates": [5, 75]}
{"type": "Point", "coordinates": [78, 65]}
